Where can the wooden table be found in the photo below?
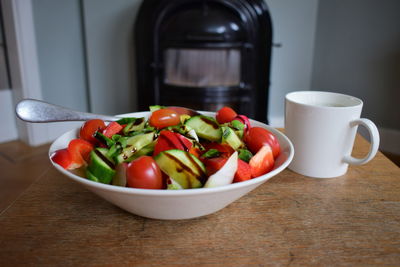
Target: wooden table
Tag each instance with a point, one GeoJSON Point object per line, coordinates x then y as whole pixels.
{"type": "Point", "coordinates": [353, 220]}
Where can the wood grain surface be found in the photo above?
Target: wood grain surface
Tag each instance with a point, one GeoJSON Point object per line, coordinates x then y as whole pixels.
{"type": "Point", "coordinates": [291, 220]}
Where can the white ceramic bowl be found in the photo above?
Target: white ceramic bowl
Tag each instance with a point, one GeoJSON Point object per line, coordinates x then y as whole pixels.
{"type": "Point", "coordinates": [176, 204]}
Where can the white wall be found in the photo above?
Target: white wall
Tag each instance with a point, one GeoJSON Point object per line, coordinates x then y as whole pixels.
{"type": "Point", "coordinates": [357, 52]}
{"type": "Point", "coordinates": [8, 129]}
{"type": "Point", "coordinates": [61, 58]}
{"type": "Point", "coordinates": [108, 26]}
{"type": "Point", "coordinates": [294, 25]}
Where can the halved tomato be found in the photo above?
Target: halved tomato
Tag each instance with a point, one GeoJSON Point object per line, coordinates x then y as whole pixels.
{"type": "Point", "coordinates": [89, 128]}
{"type": "Point", "coordinates": [262, 162]}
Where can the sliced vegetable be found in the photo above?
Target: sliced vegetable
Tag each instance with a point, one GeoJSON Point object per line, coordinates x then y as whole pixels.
{"type": "Point", "coordinates": [243, 172]}
{"type": "Point", "coordinates": [89, 128]}
{"type": "Point", "coordinates": [229, 137]}
{"type": "Point", "coordinates": [205, 127]}
{"type": "Point", "coordinates": [135, 125]}
{"type": "Point", "coordinates": [183, 167]}
{"type": "Point", "coordinates": [173, 185]}
{"type": "Point", "coordinates": [111, 129]}
{"type": "Point", "coordinates": [262, 162]}
{"type": "Point", "coordinates": [212, 153]}
{"type": "Point", "coordinates": [104, 139]}
{"type": "Point", "coordinates": [225, 175]}
{"type": "Point", "coordinates": [133, 145]}
{"type": "Point", "coordinates": [168, 140]}
{"type": "Point", "coordinates": [214, 164]}
{"type": "Point", "coordinates": [79, 151]}
{"type": "Point", "coordinates": [62, 158]}
{"type": "Point", "coordinates": [245, 120]}
{"type": "Point", "coordinates": [225, 149]}
{"type": "Point", "coordinates": [101, 167]}
{"type": "Point", "coordinates": [245, 155]}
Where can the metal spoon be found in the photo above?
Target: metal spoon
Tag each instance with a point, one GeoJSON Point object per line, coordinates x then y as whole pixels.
{"type": "Point", "coordinates": [32, 110]}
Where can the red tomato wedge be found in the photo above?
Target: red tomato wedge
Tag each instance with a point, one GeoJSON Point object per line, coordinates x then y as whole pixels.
{"type": "Point", "coordinates": [112, 128]}
{"type": "Point", "coordinates": [79, 151]}
{"type": "Point", "coordinates": [243, 172]}
{"type": "Point", "coordinates": [62, 158]}
{"type": "Point", "coordinates": [225, 114]}
{"type": "Point", "coordinates": [164, 117]}
{"type": "Point", "coordinates": [214, 164]}
{"type": "Point", "coordinates": [89, 128]}
{"type": "Point", "coordinates": [170, 140]}
{"type": "Point", "coordinates": [262, 162]}
{"type": "Point", "coordinates": [258, 137]}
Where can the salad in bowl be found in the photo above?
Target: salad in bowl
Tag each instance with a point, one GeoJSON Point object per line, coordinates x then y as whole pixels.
{"type": "Point", "coordinates": [172, 162]}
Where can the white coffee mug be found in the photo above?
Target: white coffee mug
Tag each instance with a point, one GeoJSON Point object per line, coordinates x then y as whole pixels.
{"type": "Point", "coordinates": [322, 127]}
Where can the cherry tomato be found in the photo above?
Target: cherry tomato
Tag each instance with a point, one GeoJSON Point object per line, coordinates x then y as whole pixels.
{"type": "Point", "coordinates": [163, 118]}
{"type": "Point", "coordinates": [144, 172]}
{"type": "Point", "coordinates": [89, 128]}
{"type": "Point", "coordinates": [258, 137]}
{"type": "Point", "coordinates": [62, 158]}
{"type": "Point", "coordinates": [262, 162]}
{"type": "Point", "coordinates": [225, 114]}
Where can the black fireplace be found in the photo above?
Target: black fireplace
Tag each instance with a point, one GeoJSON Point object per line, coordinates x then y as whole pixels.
{"type": "Point", "coordinates": [204, 54]}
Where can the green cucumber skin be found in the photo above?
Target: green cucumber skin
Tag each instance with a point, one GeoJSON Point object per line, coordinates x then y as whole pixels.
{"type": "Point", "coordinates": [91, 177]}
{"type": "Point", "coordinates": [184, 168]}
{"type": "Point", "coordinates": [99, 169]}
{"type": "Point", "coordinates": [229, 137]}
{"type": "Point", "coordinates": [134, 144]}
{"type": "Point", "coordinates": [205, 127]}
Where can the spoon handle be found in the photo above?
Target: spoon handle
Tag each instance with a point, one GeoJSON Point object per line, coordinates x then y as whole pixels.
{"type": "Point", "coordinates": [32, 110]}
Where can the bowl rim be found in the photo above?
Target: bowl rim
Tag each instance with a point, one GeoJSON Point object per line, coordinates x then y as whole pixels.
{"type": "Point", "coordinates": [172, 193]}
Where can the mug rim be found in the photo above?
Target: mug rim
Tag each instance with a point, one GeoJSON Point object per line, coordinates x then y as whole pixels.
{"type": "Point", "coordinates": [291, 98]}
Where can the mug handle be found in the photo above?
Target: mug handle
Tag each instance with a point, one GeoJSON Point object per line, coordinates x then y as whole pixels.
{"type": "Point", "coordinates": [374, 136]}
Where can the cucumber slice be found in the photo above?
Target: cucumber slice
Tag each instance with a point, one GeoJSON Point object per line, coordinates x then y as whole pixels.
{"type": "Point", "coordinates": [133, 145]}
{"type": "Point", "coordinates": [184, 168]}
{"type": "Point", "coordinates": [91, 177]}
{"type": "Point", "coordinates": [136, 125]}
{"type": "Point", "coordinates": [100, 167]}
{"type": "Point", "coordinates": [205, 127]}
{"type": "Point", "coordinates": [229, 137]}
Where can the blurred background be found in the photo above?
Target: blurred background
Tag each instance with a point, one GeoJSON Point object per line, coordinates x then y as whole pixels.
{"type": "Point", "coordinates": [80, 54]}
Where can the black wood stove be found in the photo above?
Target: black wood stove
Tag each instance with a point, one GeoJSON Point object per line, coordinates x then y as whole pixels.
{"type": "Point", "coordinates": [204, 54]}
